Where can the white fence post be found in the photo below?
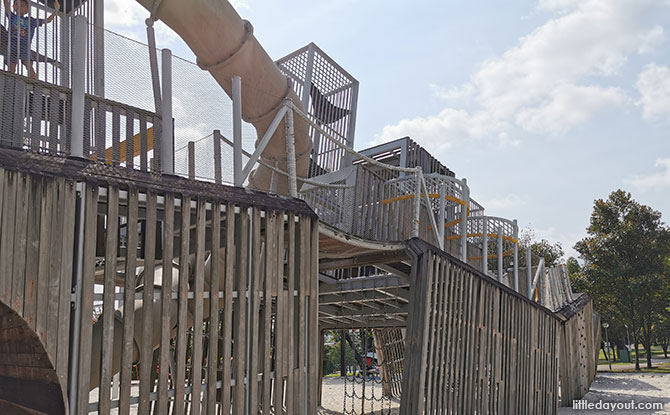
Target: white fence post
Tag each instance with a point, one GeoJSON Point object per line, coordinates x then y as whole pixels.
{"type": "Point", "coordinates": [464, 221]}
{"type": "Point", "coordinates": [167, 127]}
{"type": "Point", "coordinates": [529, 272]}
{"type": "Point", "coordinates": [500, 254]}
{"type": "Point", "coordinates": [79, 47]}
{"type": "Point", "coordinates": [485, 245]}
{"type": "Point", "coordinates": [417, 203]}
{"type": "Point", "coordinates": [237, 131]}
{"type": "Point", "coordinates": [516, 256]}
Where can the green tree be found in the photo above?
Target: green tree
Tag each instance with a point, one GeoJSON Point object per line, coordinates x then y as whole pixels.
{"type": "Point", "coordinates": [663, 332]}
{"type": "Point", "coordinates": [624, 255]}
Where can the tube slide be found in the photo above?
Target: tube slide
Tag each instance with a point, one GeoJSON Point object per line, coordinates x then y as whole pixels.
{"type": "Point", "coordinates": [225, 45]}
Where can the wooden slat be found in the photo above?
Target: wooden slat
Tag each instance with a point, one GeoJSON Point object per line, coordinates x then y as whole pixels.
{"type": "Point", "coordinates": [130, 138]}
{"type": "Point", "coordinates": [68, 197]}
{"type": "Point", "coordinates": [215, 273]}
{"type": "Point", "coordinates": [32, 266]}
{"type": "Point", "coordinates": [270, 269]}
{"type": "Point", "coordinates": [290, 308]}
{"type": "Point", "coordinates": [116, 138]}
{"type": "Point", "coordinates": [88, 278]}
{"type": "Point", "coordinates": [17, 277]}
{"type": "Point", "coordinates": [54, 279]}
{"type": "Point", "coordinates": [129, 303]}
{"type": "Point", "coordinates": [229, 286]}
{"type": "Point", "coordinates": [36, 120]}
{"type": "Point", "coordinates": [7, 237]}
{"type": "Point", "coordinates": [182, 307]}
{"type": "Point", "coordinates": [166, 303]}
{"type": "Point", "coordinates": [256, 357]}
{"type": "Point", "coordinates": [146, 336]}
{"type": "Point", "coordinates": [144, 145]}
{"type": "Point", "coordinates": [111, 241]}
{"type": "Point", "coordinates": [240, 311]}
{"type": "Point", "coordinates": [199, 280]}
{"type": "Point", "coordinates": [313, 316]}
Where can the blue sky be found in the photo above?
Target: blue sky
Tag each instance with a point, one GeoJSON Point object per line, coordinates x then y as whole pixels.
{"type": "Point", "coordinates": [543, 105]}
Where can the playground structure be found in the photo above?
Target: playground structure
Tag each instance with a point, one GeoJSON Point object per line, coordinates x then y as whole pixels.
{"type": "Point", "coordinates": [385, 239]}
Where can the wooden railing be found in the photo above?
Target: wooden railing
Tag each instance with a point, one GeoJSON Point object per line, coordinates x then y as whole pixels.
{"type": "Point", "coordinates": [37, 116]}
{"type": "Point", "coordinates": [34, 115]}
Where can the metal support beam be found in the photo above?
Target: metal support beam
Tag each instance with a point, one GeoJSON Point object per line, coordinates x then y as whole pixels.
{"type": "Point", "coordinates": [485, 245]}
{"type": "Point", "coordinates": [417, 202]}
{"type": "Point", "coordinates": [263, 143]}
{"type": "Point", "coordinates": [464, 221]}
{"type": "Point", "coordinates": [529, 272]}
{"type": "Point", "coordinates": [99, 50]}
{"type": "Point", "coordinates": [238, 180]}
{"type": "Point", "coordinates": [442, 213]}
{"type": "Point", "coordinates": [500, 254]}
{"type": "Point", "coordinates": [516, 256]}
{"type": "Point", "coordinates": [153, 64]}
{"type": "Point", "coordinates": [79, 47]}
{"type": "Point", "coordinates": [167, 126]}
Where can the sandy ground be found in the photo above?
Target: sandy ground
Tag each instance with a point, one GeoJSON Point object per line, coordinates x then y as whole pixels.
{"type": "Point", "coordinates": [627, 387]}
{"type": "Point", "coordinates": [333, 401]}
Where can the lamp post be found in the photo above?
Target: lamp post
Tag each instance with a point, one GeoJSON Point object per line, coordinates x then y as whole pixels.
{"type": "Point", "coordinates": [607, 340]}
{"type": "Point", "coordinates": [630, 358]}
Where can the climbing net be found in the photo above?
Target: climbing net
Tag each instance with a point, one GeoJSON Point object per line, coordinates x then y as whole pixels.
{"type": "Point", "coordinates": [363, 388]}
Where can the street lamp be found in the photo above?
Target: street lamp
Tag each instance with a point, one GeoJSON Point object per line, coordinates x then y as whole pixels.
{"type": "Point", "coordinates": [607, 340]}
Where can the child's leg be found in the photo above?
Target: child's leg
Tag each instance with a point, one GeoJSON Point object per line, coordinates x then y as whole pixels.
{"type": "Point", "coordinates": [29, 67]}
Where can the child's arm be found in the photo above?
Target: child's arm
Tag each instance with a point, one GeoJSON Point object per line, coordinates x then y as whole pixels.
{"type": "Point", "coordinates": [53, 15]}
{"type": "Point", "coordinates": [7, 8]}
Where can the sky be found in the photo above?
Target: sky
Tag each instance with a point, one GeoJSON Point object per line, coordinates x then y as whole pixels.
{"type": "Point", "coordinates": [544, 106]}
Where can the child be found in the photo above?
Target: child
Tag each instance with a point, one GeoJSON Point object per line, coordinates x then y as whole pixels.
{"type": "Point", "coordinates": [21, 31]}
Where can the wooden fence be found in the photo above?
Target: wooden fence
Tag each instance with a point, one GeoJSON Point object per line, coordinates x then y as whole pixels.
{"type": "Point", "coordinates": [256, 347]}
{"type": "Point", "coordinates": [580, 345]}
{"type": "Point", "coordinates": [474, 345]}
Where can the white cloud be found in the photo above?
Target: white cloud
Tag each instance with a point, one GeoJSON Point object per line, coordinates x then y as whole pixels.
{"type": "Point", "coordinates": [654, 181]}
{"type": "Point", "coordinates": [510, 201]}
{"type": "Point", "coordinates": [567, 106]}
{"type": "Point", "coordinates": [546, 84]}
{"type": "Point", "coordinates": [653, 83]}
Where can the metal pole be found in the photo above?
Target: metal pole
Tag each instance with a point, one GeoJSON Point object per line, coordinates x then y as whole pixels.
{"type": "Point", "coordinates": [153, 64]}
{"type": "Point", "coordinates": [290, 154]}
{"type": "Point", "coordinates": [417, 202]}
{"type": "Point", "coordinates": [217, 156]}
{"type": "Point", "coordinates": [516, 256]}
{"type": "Point", "coordinates": [78, 83]}
{"type": "Point", "coordinates": [191, 160]}
{"type": "Point", "coordinates": [500, 254]}
{"type": "Point", "coordinates": [237, 131]}
{"type": "Point", "coordinates": [78, 277]}
{"type": "Point", "coordinates": [529, 272]}
{"type": "Point", "coordinates": [607, 340]}
{"type": "Point", "coordinates": [99, 51]}
{"type": "Point", "coordinates": [485, 245]}
{"type": "Point", "coordinates": [464, 221]}
{"type": "Point", "coordinates": [442, 213]}
{"type": "Point", "coordinates": [167, 126]}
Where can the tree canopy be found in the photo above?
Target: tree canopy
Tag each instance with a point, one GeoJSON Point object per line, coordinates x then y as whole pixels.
{"type": "Point", "coordinates": [625, 255]}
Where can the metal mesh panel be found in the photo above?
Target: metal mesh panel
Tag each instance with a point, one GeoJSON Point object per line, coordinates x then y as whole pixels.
{"type": "Point", "coordinates": [330, 95]}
